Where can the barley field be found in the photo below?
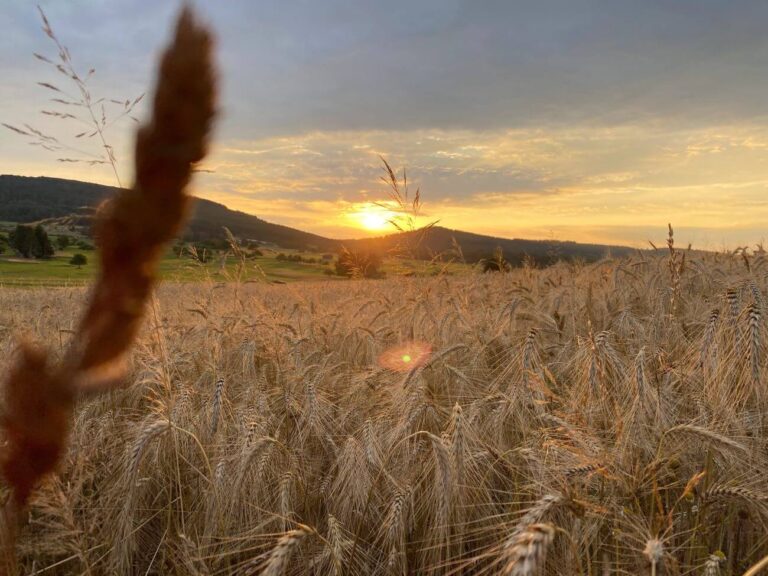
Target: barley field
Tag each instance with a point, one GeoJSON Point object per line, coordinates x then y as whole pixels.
{"type": "Point", "coordinates": [576, 420]}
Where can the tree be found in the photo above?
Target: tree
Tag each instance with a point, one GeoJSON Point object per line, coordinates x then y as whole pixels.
{"type": "Point", "coordinates": [78, 260]}
{"type": "Point", "coordinates": [21, 239]}
{"type": "Point", "coordinates": [42, 247]}
{"type": "Point", "coordinates": [63, 241]}
{"type": "Point", "coordinates": [31, 242]}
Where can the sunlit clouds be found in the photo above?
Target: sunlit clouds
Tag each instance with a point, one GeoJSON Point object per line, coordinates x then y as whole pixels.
{"type": "Point", "coordinates": [593, 121]}
{"type": "Point", "coordinates": [619, 184]}
{"type": "Point", "coordinates": [610, 185]}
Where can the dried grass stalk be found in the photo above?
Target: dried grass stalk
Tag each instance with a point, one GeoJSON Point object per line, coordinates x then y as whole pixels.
{"type": "Point", "coordinates": [133, 228]}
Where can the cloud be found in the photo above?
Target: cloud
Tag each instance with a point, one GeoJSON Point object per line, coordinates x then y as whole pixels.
{"type": "Point", "coordinates": [524, 182]}
{"type": "Point", "coordinates": [514, 118]}
{"type": "Point", "coordinates": [464, 65]}
{"type": "Point", "coordinates": [292, 68]}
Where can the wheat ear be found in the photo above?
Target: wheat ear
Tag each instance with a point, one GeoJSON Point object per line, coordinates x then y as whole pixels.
{"type": "Point", "coordinates": [132, 230]}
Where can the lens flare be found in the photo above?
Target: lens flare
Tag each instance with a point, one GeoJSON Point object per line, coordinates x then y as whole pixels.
{"type": "Point", "coordinates": [405, 356]}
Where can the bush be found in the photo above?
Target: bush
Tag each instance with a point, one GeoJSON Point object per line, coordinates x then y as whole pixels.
{"type": "Point", "coordinates": [83, 245]}
{"type": "Point", "coordinates": [178, 249]}
{"type": "Point", "coordinates": [78, 260]}
{"type": "Point", "coordinates": [63, 241]}
{"type": "Point", "coordinates": [495, 263]}
{"type": "Point", "coordinates": [359, 264]}
{"type": "Point", "coordinates": [200, 253]}
{"type": "Point", "coordinates": [283, 257]}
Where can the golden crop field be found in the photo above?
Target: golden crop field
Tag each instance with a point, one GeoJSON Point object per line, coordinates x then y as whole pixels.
{"type": "Point", "coordinates": [598, 419]}
{"type": "Point", "coordinates": [582, 419]}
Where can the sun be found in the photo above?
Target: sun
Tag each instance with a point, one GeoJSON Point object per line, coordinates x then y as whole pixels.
{"type": "Point", "coordinates": [373, 221]}
{"type": "Point", "coordinates": [372, 217]}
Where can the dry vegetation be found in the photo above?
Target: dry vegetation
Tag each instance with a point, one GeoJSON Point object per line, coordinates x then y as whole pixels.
{"type": "Point", "coordinates": [39, 392]}
{"type": "Point", "coordinates": [604, 419]}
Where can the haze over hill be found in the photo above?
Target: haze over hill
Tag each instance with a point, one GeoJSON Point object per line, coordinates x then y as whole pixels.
{"type": "Point", "coordinates": [32, 199]}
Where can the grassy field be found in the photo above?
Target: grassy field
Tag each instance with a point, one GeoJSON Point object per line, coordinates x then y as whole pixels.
{"type": "Point", "coordinates": [58, 272]}
{"type": "Point", "coordinates": [580, 420]}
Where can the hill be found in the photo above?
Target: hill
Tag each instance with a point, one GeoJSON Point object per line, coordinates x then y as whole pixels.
{"type": "Point", "coordinates": [440, 240]}
{"type": "Point", "coordinates": [31, 199]}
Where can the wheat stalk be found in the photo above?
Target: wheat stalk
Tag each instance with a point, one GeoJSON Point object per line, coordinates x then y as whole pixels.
{"type": "Point", "coordinates": [132, 230]}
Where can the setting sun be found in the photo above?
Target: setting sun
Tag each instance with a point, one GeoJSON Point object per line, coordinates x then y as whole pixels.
{"type": "Point", "coordinates": [372, 217]}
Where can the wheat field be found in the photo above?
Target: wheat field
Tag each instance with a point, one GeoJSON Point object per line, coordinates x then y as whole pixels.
{"type": "Point", "coordinates": [589, 420]}
{"type": "Point", "coordinates": [580, 419]}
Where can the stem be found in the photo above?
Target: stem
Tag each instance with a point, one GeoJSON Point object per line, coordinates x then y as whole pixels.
{"type": "Point", "coordinates": [757, 567]}
{"type": "Point", "coordinates": [101, 137]}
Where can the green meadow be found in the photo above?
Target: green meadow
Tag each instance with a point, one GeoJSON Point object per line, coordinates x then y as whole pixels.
{"type": "Point", "coordinates": [57, 271]}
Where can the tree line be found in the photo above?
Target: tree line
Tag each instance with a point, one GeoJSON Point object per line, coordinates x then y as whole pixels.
{"type": "Point", "coordinates": [31, 242]}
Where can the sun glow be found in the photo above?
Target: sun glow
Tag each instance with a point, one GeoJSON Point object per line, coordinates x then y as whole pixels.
{"type": "Point", "coordinates": [372, 217]}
